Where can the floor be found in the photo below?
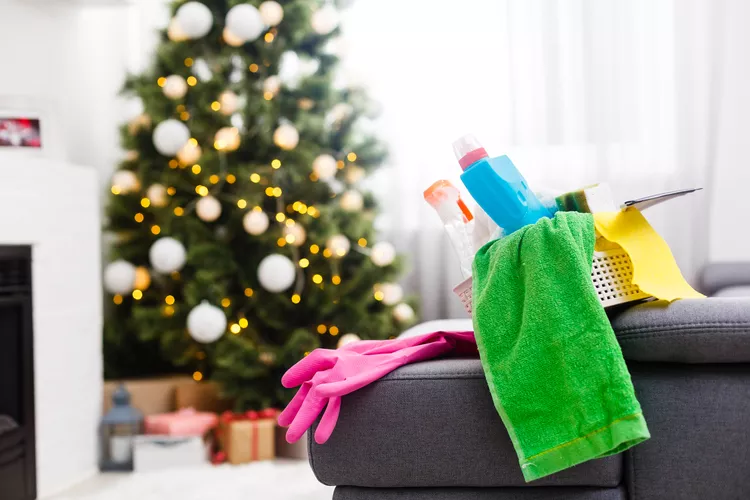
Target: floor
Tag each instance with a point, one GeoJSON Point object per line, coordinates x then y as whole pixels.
{"type": "Point", "coordinates": [275, 480]}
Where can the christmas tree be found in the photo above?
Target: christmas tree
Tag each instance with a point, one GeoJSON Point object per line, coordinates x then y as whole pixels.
{"type": "Point", "coordinates": [242, 237]}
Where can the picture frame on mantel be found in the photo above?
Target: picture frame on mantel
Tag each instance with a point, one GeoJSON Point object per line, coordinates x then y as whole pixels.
{"type": "Point", "coordinates": [20, 131]}
{"type": "Point", "coordinates": [28, 128]}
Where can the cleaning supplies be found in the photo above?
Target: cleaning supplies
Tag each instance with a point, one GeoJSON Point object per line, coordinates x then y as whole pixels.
{"type": "Point", "coordinates": [485, 229]}
{"type": "Point", "coordinates": [457, 219]}
{"type": "Point", "coordinates": [655, 271]}
{"type": "Point", "coordinates": [497, 186]}
{"type": "Point", "coordinates": [591, 199]}
{"type": "Point", "coordinates": [548, 199]}
{"type": "Point", "coordinates": [649, 201]}
{"type": "Point", "coordinates": [325, 375]}
{"type": "Point", "coordinates": [551, 359]}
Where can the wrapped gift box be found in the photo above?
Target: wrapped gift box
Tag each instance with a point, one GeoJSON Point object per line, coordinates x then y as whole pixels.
{"type": "Point", "coordinates": [185, 422]}
{"type": "Point", "coordinates": [248, 437]}
{"type": "Point", "coordinates": [203, 396]}
{"type": "Point", "coordinates": [150, 396]}
{"type": "Point", "coordinates": [151, 453]}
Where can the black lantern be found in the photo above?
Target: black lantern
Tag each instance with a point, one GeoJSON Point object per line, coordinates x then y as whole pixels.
{"type": "Point", "coordinates": [117, 433]}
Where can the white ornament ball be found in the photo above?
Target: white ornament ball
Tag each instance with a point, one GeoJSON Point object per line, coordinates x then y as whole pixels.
{"type": "Point", "coordinates": [403, 313]}
{"type": "Point", "coordinates": [125, 181]}
{"type": "Point", "coordinates": [235, 76]}
{"type": "Point", "coordinates": [383, 254]}
{"type": "Point", "coordinates": [339, 245]}
{"type": "Point", "coordinates": [238, 122]}
{"type": "Point", "coordinates": [325, 20]}
{"type": "Point", "coordinates": [244, 22]}
{"type": "Point", "coordinates": [119, 277]}
{"type": "Point", "coordinates": [308, 67]}
{"type": "Point", "coordinates": [167, 255]}
{"type": "Point", "coordinates": [255, 222]}
{"type": "Point", "coordinates": [324, 167]}
{"type": "Point", "coordinates": [276, 273]}
{"type": "Point", "coordinates": [141, 121]}
{"type": "Point", "coordinates": [133, 108]}
{"type": "Point", "coordinates": [201, 70]}
{"type": "Point", "coordinates": [272, 84]}
{"type": "Point", "coordinates": [190, 153]}
{"type": "Point", "coordinates": [271, 13]}
{"type": "Point", "coordinates": [352, 201]}
{"type": "Point", "coordinates": [392, 293]}
{"type": "Point", "coordinates": [354, 174]}
{"type": "Point", "coordinates": [175, 31]}
{"type": "Point", "coordinates": [231, 39]}
{"type": "Point", "coordinates": [230, 102]}
{"type": "Point", "coordinates": [170, 136]}
{"type": "Point", "coordinates": [206, 323]}
{"type": "Point", "coordinates": [175, 87]}
{"type": "Point", "coordinates": [295, 235]}
{"type": "Point", "coordinates": [340, 111]}
{"type": "Point", "coordinates": [347, 339]}
{"type": "Point", "coordinates": [194, 19]}
{"type": "Point", "coordinates": [227, 139]}
{"type": "Point", "coordinates": [208, 209]}
{"type": "Point", "coordinates": [289, 69]}
{"type": "Point", "coordinates": [157, 195]}
{"type": "Point", "coordinates": [286, 137]}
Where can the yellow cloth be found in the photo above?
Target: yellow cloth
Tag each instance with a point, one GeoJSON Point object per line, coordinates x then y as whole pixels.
{"type": "Point", "coordinates": [654, 268]}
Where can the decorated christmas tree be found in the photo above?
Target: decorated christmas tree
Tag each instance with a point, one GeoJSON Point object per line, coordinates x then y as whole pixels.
{"type": "Point", "coordinates": [242, 237]}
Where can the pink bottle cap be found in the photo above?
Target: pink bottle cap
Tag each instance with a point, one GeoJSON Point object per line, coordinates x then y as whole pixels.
{"type": "Point", "coordinates": [468, 150]}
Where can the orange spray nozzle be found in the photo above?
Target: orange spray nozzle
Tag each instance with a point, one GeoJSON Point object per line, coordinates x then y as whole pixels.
{"type": "Point", "coordinates": [443, 191]}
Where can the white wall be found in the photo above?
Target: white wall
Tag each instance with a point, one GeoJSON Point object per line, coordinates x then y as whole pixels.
{"type": "Point", "coordinates": [67, 62]}
{"type": "Point", "coordinates": [729, 233]}
{"type": "Point", "coordinates": [54, 207]}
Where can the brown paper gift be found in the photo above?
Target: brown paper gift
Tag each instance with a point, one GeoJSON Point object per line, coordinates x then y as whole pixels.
{"type": "Point", "coordinates": [202, 396]}
{"type": "Point", "coordinates": [248, 440]}
{"type": "Point", "coordinates": [151, 396]}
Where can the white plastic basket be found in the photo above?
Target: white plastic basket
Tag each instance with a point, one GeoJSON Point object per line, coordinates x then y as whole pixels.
{"type": "Point", "coordinates": [611, 275]}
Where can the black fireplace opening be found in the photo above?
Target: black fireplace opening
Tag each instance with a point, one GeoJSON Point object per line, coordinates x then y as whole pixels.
{"type": "Point", "coordinates": [17, 431]}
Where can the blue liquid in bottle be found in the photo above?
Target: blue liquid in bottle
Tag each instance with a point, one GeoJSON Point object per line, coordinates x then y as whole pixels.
{"type": "Point", "coordinates": [497, 186]}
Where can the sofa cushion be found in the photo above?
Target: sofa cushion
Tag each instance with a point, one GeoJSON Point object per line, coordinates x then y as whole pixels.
{"type": "Point", "coordinates": [433, 424]}
{"type": "Point", "coordinates": [712, 330]}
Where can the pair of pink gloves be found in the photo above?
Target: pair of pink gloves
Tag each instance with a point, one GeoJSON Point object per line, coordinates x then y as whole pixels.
{"type": "Point", "coordinates": [326, 375]}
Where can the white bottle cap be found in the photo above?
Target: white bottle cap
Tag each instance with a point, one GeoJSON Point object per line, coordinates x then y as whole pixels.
{"type": "Point", "coordinates": [468, 150]}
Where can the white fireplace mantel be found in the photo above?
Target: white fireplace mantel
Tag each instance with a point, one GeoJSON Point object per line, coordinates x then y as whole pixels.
{"type": "Point", "coordinates": [55, 207]}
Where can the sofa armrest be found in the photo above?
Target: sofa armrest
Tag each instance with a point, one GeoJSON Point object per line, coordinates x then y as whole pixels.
{"type": "Point", "coordinates": [712, 330]}
{"type": "Point", "coordinates": [719, 275]}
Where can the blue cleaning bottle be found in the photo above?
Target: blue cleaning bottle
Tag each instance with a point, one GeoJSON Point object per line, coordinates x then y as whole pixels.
{"type": "Point", "coordinates": [497, 186]}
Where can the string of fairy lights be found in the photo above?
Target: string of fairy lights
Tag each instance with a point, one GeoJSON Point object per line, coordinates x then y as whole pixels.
{"type": "Point", "coordinates": [276, 272]}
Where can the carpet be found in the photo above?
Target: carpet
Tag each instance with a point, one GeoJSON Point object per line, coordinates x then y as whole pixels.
{"type": "Point", "coordinates": [275, 480]}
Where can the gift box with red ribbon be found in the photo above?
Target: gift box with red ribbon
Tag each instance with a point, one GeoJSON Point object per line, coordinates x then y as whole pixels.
{"type": "Point", "coordinates": [246, 437]}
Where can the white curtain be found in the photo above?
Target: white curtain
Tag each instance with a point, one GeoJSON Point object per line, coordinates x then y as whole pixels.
{"type": "Point", "coordinates": [574, 91]}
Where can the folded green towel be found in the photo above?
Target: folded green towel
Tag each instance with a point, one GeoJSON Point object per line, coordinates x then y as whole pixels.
{"type": "Point", "coordinates": [553, 365]}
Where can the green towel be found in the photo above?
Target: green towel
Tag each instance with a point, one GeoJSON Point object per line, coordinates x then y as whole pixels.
{"type": "Point", "coordinates": [553, 365]}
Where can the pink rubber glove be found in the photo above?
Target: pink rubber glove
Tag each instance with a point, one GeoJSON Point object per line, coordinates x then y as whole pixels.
{"type": "Point", "coordinates": [326, 375]}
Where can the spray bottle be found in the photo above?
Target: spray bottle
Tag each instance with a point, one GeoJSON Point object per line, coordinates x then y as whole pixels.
{"type": "Point", "coordinates": [457, 219]}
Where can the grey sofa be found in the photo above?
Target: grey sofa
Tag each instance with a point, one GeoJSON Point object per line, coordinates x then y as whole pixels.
{"type": "Point", "coordinates": [430, 431]}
